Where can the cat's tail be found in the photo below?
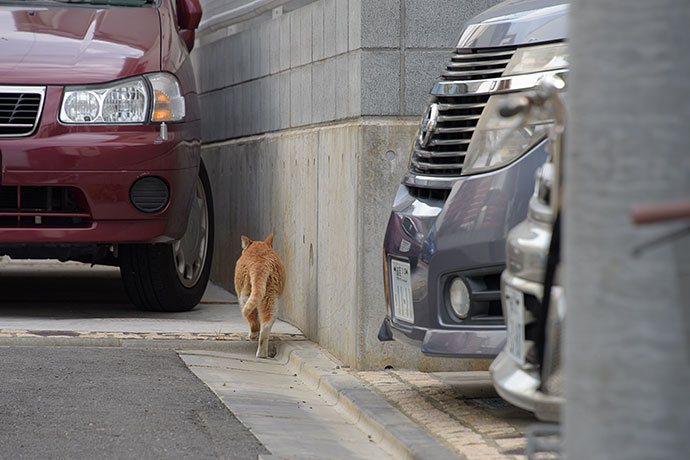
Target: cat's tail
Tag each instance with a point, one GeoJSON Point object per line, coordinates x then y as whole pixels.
{"type": "Point", "coordinates": [258, 283]}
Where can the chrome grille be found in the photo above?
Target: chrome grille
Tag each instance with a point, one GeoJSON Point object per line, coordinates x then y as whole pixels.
{"type": "Point", "coordinates": [444, 153]}
{"type": "Point", "coordinates": [469, 64]}
{"type": "Point", "coordinates": [20, 109]}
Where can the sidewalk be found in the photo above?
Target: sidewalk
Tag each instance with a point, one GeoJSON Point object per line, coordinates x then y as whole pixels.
{"type": "Point", "coordinates": [417, 414]}
{"type": "Point", "coordinates": [380, 414]}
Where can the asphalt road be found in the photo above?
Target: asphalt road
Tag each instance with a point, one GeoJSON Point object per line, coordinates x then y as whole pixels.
{"type": "Point", "coordinates": [105, 403]}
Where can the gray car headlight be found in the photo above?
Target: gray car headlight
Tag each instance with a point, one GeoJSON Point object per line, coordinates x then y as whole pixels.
{"type": "Point", "coordinates": [153, 97]}
{"type": "Point", "coordinates": [542, 58]}
{"type": "Point", "coordinates": [498, 141]}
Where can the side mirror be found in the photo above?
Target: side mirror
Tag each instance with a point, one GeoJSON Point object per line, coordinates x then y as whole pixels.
{"type": "Point", "coordinates": [188, 14]}
{"type": "Point", "coordinates": [188, 18]}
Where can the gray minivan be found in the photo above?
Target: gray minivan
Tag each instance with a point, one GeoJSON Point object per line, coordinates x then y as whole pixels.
{"type": "Point", "coordinates": [469, 182]}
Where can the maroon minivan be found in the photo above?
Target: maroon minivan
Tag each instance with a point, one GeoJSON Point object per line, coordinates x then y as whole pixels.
{"type": "Point", "coordinates": [100, 143]}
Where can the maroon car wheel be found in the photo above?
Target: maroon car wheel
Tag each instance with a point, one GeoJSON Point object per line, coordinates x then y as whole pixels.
{"type": "Point", "coordinates": [173, 277]}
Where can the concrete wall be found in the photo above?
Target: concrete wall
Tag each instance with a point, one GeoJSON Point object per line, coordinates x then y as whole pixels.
{"type": "Point", "coordinates": [310, 111]}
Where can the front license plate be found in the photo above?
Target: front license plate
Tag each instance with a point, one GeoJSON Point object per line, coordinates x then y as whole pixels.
{"type": "Point", "coordinates": [402, 291]}
{"type": "Point", "coordinates": [515, 323]}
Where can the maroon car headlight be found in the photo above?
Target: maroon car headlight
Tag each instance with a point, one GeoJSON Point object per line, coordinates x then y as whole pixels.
{"type": "Point", "coordinates": [154, 97]}
{"type": "Point", "coordinates": [126, 101]}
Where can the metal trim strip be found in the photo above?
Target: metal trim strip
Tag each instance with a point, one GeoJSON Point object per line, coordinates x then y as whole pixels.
{"type": "Point", "coordinates": [490, 86]}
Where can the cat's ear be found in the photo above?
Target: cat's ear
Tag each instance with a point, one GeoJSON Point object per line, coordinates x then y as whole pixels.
{"type": "Point", "coordinates": [269, 240]}
{"type": "Point", "coordinates": [245, 242]}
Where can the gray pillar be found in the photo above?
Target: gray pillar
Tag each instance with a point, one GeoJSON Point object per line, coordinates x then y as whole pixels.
{"type": "Point", "coordinates": [627, 344]}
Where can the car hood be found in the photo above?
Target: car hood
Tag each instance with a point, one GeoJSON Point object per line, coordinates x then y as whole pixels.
{"type": "Point", "coordinates": [76, 45]}
{"type": "Point", "coordinates": [517, 22]}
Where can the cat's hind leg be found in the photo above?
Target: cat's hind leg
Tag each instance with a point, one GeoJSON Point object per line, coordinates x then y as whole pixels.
{"type": "Point", "coordinates": [242, 299]}
{"type": "Point", "coordinates": [252, 317]}
{"type": "Point", "coordinates": [267, 317]}
{"type": "Point", "coordinates": [254, 326]}
{"type": "Point", "coordinates": [264, 339]}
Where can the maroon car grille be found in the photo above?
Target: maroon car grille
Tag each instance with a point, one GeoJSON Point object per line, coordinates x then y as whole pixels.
{"type": "Point", "coordinates": [48, 206]}
{"type": "Point", "coordinates": [20, 109]}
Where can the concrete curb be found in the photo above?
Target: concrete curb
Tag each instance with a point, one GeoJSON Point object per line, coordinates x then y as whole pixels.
{"type": "Point", "coordinates": [229, 346]}
{"type": "Point", "coordinates": [389, 427]}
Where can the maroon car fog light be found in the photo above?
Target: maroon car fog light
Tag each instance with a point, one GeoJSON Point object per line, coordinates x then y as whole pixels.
{"type": "Point", "coordinates": [149, 194]}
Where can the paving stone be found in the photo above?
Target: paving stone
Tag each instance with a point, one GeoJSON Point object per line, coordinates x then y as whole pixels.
{"type": "Point", "coordinates": [511, 443]}
{"type": "Point", "coordinates": [497, 431]}
{"type": "Point", "coordinates": [437, 402]}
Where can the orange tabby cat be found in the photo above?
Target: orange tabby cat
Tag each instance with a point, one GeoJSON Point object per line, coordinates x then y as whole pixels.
{"type": "Point", "coordinates": [259, 281]}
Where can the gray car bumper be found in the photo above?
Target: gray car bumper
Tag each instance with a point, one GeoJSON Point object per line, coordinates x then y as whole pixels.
{"type": "Point", "coordinates": [521, 385]}
{"type": "Point", "coordinates": [463, 236]}
{"type": "Point", "coordinates": [458, 343]}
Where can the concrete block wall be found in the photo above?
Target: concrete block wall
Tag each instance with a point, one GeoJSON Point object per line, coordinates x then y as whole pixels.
{"type": "Point", "coordinates": [326, 61]}
{"type": "Point", "coordinates": [309, 120]}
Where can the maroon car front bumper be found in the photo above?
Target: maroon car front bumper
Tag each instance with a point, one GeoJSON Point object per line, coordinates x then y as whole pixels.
{"type": "Point", "coordinates": [98, 164]}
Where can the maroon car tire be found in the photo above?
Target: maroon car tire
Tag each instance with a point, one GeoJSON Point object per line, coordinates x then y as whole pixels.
{"type": "Point", "coordinates": [156, 276]}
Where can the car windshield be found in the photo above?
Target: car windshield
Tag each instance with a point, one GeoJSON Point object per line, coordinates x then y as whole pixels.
{"type": "Point", "coordinates": [87, 2]}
